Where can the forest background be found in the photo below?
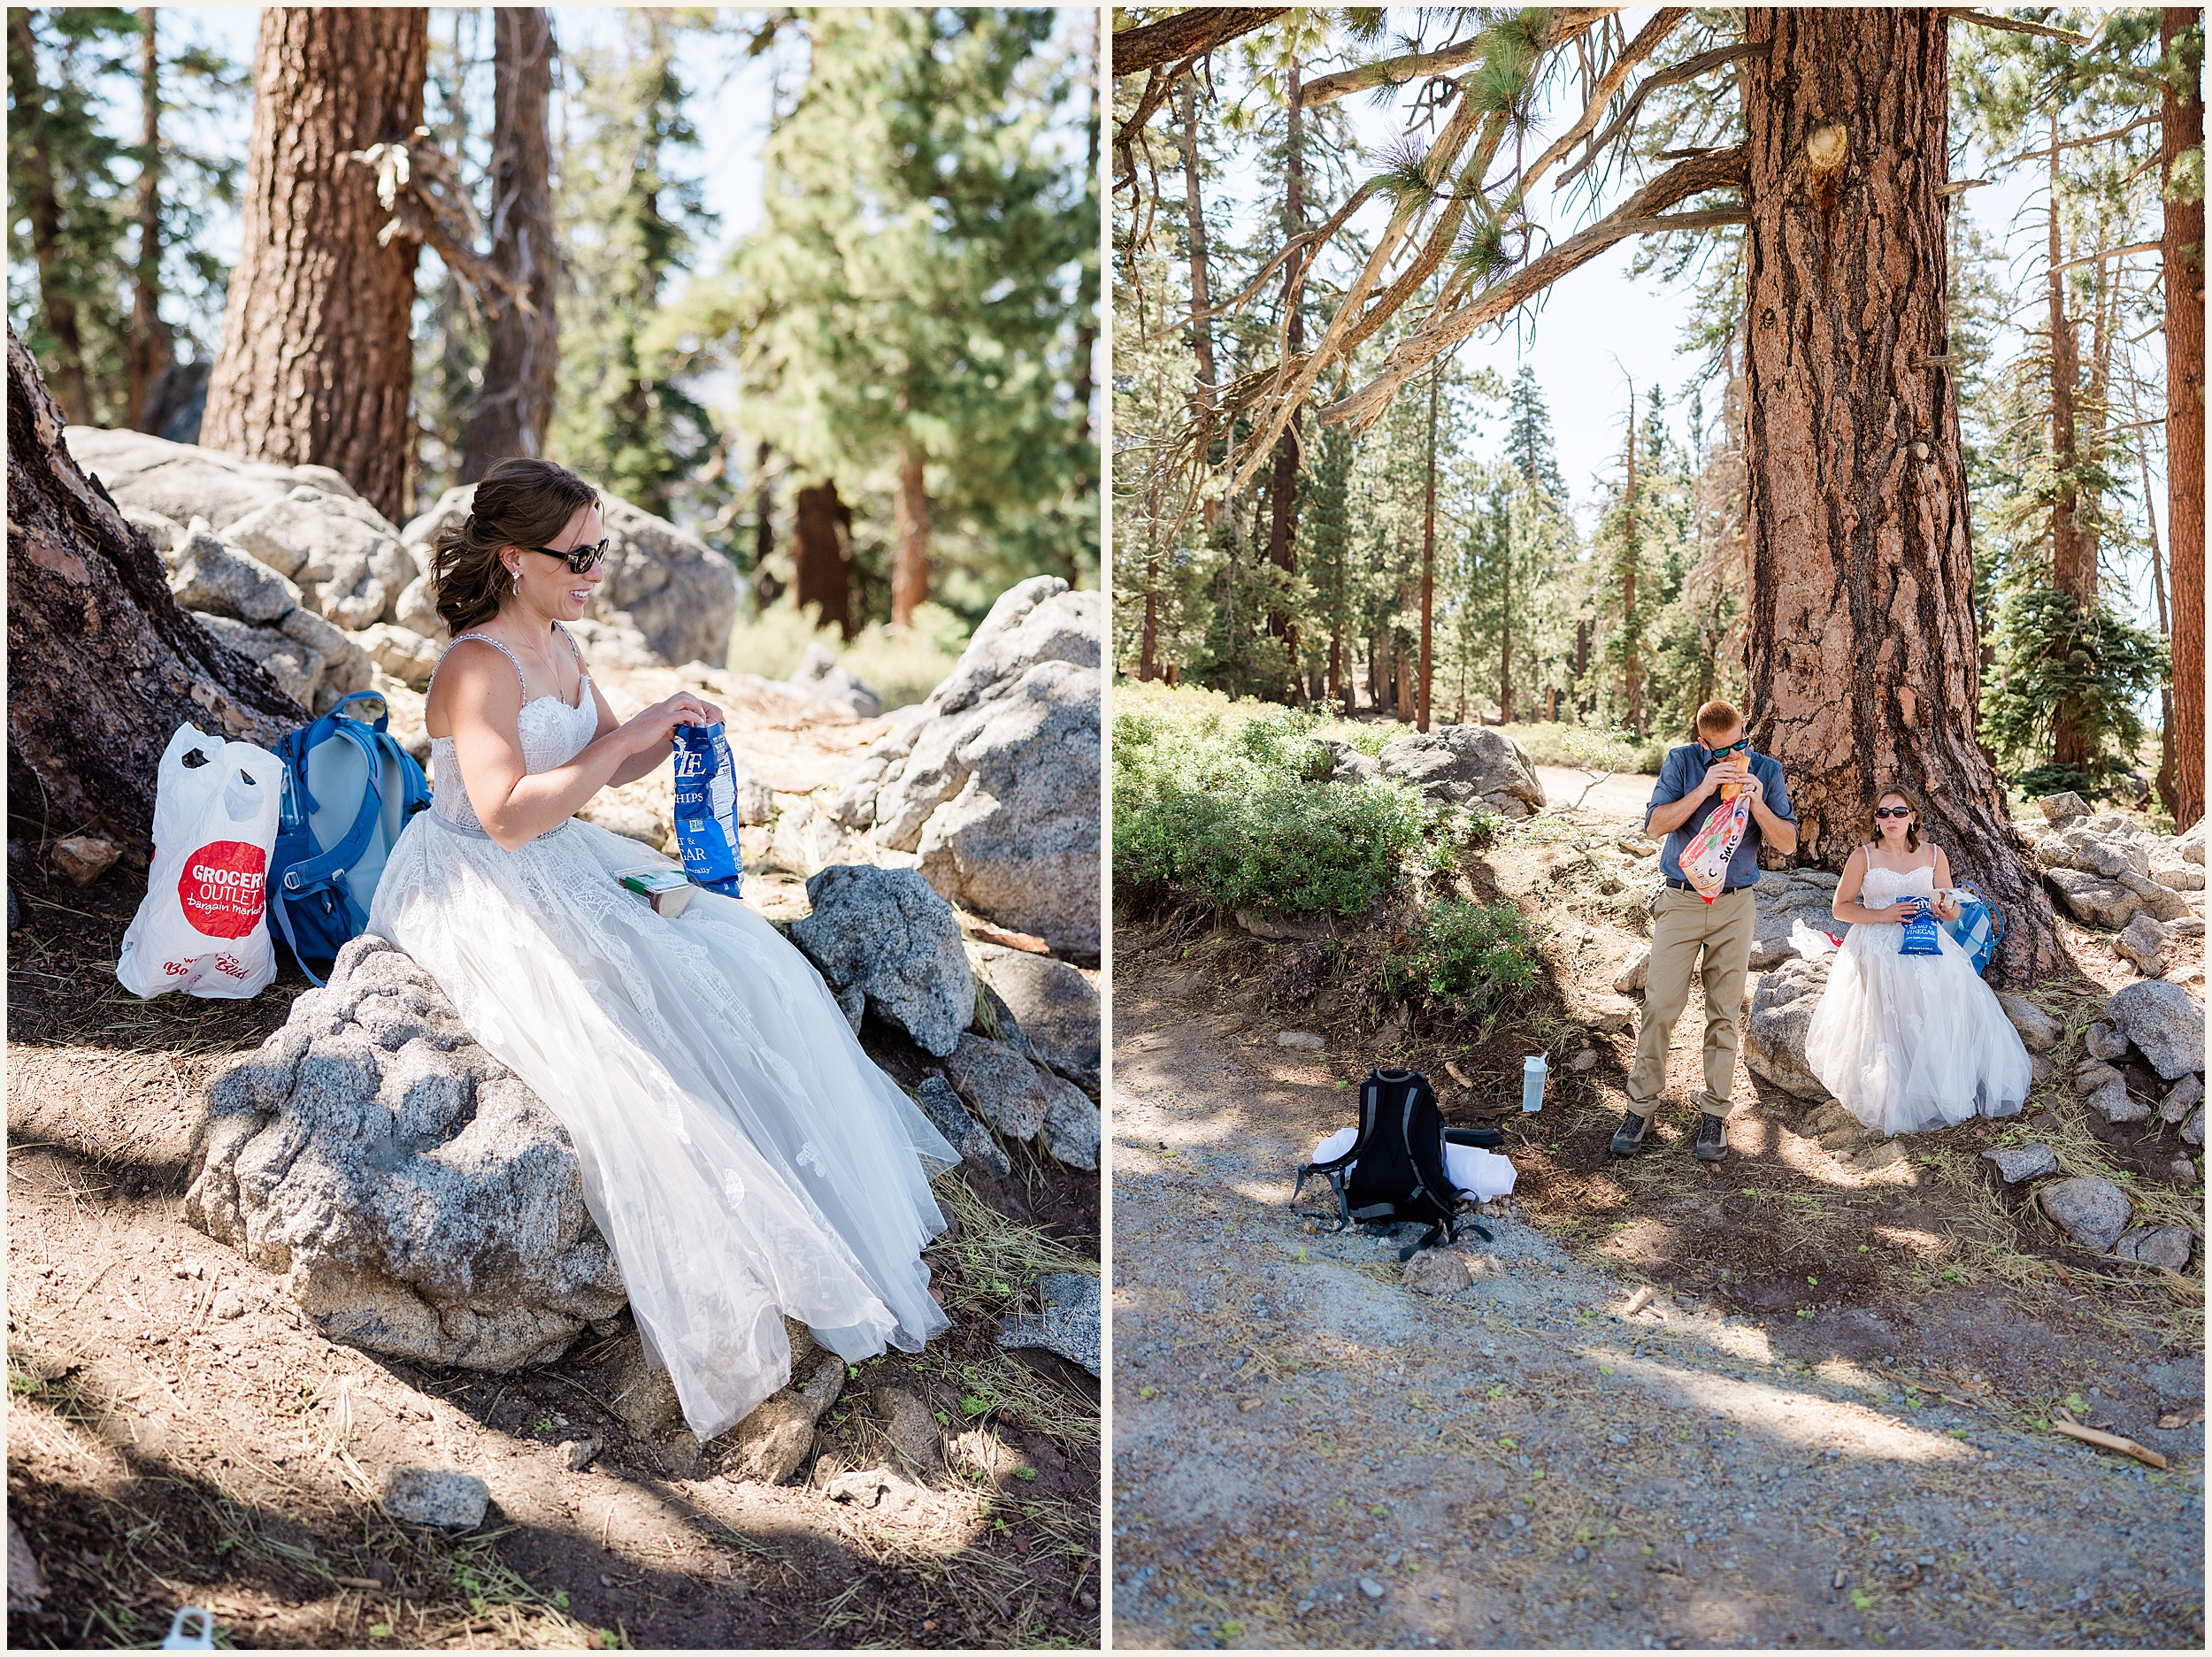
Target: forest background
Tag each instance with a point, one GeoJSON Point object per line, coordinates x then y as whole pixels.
{"type": "Point", "coordinates": [821, 286]}
{"type": "Point", "coordinates": [1592, 605]}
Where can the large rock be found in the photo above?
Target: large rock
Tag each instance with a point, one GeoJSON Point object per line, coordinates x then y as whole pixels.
{"type": "Point", "coordinates": [181, 482]}
{"type": "Point", "coordinates": [887, 934]}
{"type": "Point", "coordinates": [1775, 1026]}
{"type": "Point", "coordinates": [1010, 1092]}
{"type": "Point", "coordinates": [1467, 764]}
{"type": "Point", "coordinates": [818, 678]}
{"type": "Point", "coordinates": [2039, 1031]}
{"type": "Point", "coordinates": [1071, 1128]}
{"type": "Point", "coordinates": [2093, 1212]}
{"type": "Point", "coordinates": [419, 1200]}
{"type": "Point", "coordinates": [994, 784]}
{"type": "Point", "coordinates": [2094, 899]}
{"type": "Point", "coordinates": [348, 561]}
{"type": "Point", "coordinates": [1783, 899]}
{"type": "Point", "coordinates": [2167, 1245]}
{"type": "Point", "coordinates": [1054, 1003]}
{"type": "Point", "coordinates": [2059, 810]}
{"type": "Point", "coordinates": [2165, 1023]}
{"type": "Point", "coordinates": [210, 576]}
{"type": "Point", "coordinates": [941, 1103]}
{"type": "Point", "coordinates": [667, 584]}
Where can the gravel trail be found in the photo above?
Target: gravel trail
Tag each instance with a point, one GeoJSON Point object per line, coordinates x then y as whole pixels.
{"type": "Point", "coordinates": [1309, 1453]}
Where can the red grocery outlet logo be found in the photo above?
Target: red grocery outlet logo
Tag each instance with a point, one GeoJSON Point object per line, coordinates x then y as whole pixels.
{"type": "Point", "coordinates": [222, 887]}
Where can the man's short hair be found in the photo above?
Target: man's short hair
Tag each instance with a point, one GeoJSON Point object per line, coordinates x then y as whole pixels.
{"type": "Point", "coordinates": [1717, 718]}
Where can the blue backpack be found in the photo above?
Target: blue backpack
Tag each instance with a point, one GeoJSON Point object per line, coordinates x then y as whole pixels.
{"type": "Point", "coordinates": [1978, 929]}
{"type": "Point", "coordinates": [349, 789]}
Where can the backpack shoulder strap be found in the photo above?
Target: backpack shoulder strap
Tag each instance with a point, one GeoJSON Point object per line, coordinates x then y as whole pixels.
{"type": "Point", "coordinates": [311, 872]}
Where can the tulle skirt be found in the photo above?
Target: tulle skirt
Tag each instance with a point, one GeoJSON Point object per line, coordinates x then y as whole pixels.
{"type": "Point", "coordinates": [1907, 1042]}
{"type": "Point", "coordinates": [743, 1158]}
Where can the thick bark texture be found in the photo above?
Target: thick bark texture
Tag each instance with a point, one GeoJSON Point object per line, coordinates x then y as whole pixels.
{"type": "Point", "coordinates": [1861, 662]}
{"type": "Point", "coordinates": [316, 364]}
{"type": "Point", "coordinates": [1187, 34]}
{"type": "Point", "coordinates": [2183, 129]}
{"type": "Point", "coordinates": [910, 561]}
{"type": "Point", "coordinates": [822, 556]}
{"type": "Point", "coordinates": [523, 349]}
{"type": "Point", "coordinates": [102, 666]}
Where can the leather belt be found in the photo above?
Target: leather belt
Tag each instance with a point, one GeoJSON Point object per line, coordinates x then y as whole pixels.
{"type": "Point", "coordinates": [1683, 886]}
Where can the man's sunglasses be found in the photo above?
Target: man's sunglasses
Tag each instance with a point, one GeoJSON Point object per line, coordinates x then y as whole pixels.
{"type": "Point", "coordinates": [1733, 748]}
{"type": "Point", "coordinates": [580, 560]}
{"type": "Point", "coordinates": [1892, 811]}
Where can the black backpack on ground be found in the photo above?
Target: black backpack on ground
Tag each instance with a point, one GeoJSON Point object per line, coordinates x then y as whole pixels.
{"type": "Point", "coordinates": [1397, 1162]}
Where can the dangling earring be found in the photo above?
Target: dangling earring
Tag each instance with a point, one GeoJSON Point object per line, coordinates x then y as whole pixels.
{"type": "Point", "coordinates": [517, 573]}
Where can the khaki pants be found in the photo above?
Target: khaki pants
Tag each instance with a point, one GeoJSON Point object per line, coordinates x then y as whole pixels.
{"type": "Point", "coordinates": [1684, 926]}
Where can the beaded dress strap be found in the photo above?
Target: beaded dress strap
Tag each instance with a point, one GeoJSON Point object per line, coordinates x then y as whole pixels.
{"type": "Point", "coordinates": [482, 639]}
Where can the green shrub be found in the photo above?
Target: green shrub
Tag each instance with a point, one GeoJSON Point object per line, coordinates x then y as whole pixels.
{"type": "Point", "coordinates": [1586, 748]}
{"type": "Point", "coordinates": [1471, 958]}
{"type": "Point", "coordinates": [901, 668]}
{"type": "Point", "coordinates": [1225, 802]}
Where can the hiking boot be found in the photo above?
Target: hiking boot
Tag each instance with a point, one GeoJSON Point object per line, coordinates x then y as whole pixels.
{"type": "Point", "coordinates": [1628, 1139]}
{"type": "Point", "coordinates": [1712, 1136]}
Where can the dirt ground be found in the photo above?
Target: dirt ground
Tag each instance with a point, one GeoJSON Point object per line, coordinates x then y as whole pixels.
{"type": "Point", "coordinates": [181, 1435]}
{"type": "Point", "coordinates": [1828, 1423]}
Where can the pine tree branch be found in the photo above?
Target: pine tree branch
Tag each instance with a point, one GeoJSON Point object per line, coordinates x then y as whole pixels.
{"type": "Point", "coordinates": [1640, 215]}
{"type": "Point", "coordinates": [2013, 25]}
{"type": "Point", "coordinates": [2110, 253]}
{"type": "Point", "coordinates": [1565, 24]}
{"type": "Point", "coordinates": [1688, 69]}
{"type": "Point", "coordinates": [1647, 41]}
{"type": "Point", "coordinates": [1186, 36]}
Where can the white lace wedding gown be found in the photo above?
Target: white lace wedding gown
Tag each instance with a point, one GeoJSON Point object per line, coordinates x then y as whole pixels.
{"type": "Point", "coordinates": [743, 1158]}
{"type": "Point", "coordinates": [1907, 1042]}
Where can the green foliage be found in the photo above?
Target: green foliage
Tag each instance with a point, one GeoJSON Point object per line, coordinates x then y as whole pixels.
{"type": "Point", "coordinates": [1472, 959]}
{"type": "Point", "coordinates": [903, 668]}
{"type": "Point", "coordinates": [629, 222]}
{"type": "Point", "coordinates": [921, 283]}
{"type": "Point", "coordinates": [2054, 658]}
{"type": "Point", "coordinates": [1585, 748]}
{"type": "Point", "coordinates": [1224, 802]}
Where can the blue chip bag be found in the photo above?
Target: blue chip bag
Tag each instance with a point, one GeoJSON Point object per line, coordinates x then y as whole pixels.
{"type": "Point", "coordinates": [706, 809]}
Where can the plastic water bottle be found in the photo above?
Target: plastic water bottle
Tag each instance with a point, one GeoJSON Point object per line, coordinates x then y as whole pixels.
{"type": "Point", "coordinates": [1532, 1082]}
{"type": "Point", "coordinates": [191, 1628]}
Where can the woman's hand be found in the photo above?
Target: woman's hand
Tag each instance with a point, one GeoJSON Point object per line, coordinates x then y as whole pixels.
{"type": "Point", "coordinates": [656, 727]}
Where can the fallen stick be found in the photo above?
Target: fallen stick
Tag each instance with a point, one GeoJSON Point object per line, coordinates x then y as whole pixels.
{"type": "Point", "coordinates": [2109, 1441]}
{"type": "Point", "coordinates": [1637, 1301]}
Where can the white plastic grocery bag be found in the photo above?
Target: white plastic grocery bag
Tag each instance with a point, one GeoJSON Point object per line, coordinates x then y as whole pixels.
{"type": "Point", "coordinates": [204, 927]}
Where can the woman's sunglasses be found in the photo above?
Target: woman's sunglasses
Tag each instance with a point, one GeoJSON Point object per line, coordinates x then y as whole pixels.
{"type": "Point", "coordinates": [580, 560]}
{"type": "Point", "coordinates": [1892, 811]}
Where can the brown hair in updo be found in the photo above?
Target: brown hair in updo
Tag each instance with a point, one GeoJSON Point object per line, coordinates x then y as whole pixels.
{"type": "Point", "coordinates": [520, 502]}
{"type": "Point", "coordinates": [1912, 827]}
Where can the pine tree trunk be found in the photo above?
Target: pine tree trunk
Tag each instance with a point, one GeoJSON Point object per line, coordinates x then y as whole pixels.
{"type": "Point", "coordinates": [2182, 129]}
{"type": "Point", "coordinates": [1428, 566]}
{"type": "Point", "coordinates": [1862, 666]}
{"type": "Point", "coordinates": [909, 568]}
{"type": "Point", "coordinates": [149, 347]}
{"type": "Point", "coordinates": [102, 666]}
{"type": "Point", "coordinates": [2069, 574]}
{"type": "Point", "coordinates": [523, 354]}
{"type": "Point", "coordinates": [1631, 631]}
{"type": "Point", "coordinates": [1282, 550]}
{"type": "Point", "coordinates": [316, 364]}
{"type": "Point", "coordinates": [822, 554]}
{"type": "Point", "coordinates": [767, 588]}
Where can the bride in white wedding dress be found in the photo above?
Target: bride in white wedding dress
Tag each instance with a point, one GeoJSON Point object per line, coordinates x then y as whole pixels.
{"type": "Point", "coordinates": [1907, 1042]}
{"type": "Point", "coordinates": [743, 1158]}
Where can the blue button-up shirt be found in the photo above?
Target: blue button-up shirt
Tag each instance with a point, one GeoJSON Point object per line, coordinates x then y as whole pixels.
{"type": "Point", "coordinates": [1679, 777]}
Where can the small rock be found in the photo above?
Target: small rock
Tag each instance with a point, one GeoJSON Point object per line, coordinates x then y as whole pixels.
{"type": "Point", "coordinates": [2017, 1162]}
{"type": "Point", "coordinates": [1372, 1589]}
{"type": "Point", "coordinates": [2038, 1028]}
{"type": "Point", "coordinates": [2185, 1094]}
{"type": "Point", "coordinates": [2094, 899]}
{"type": "Point", "coordinates": [1071, 1129]}
{"type": "Point", "coordinates": [2093, 1212]}
{"type": "Point", "coordinates": [642, 1393]}
{"type": "Point", "coordinates": [1068, 1323]}
{"type": "Point", "coordinates": [2143, 941]}
{"type": "Point", "coordinates": [1634, 971]}
{"type": "Point", "coordinates": [941, 1105]}
{"type": "Point", "coordinates": [1438, 1271]}
{"type": "Point", "coordinates": [776, 1439]}
{"type": "Point", "coordinates": [25, 1587]}
{"type": "Point", "coordinates": [2167, 1245]}
{"type": "Point", "coordinates": [2104, 1042]}
{"type": "Point", "coordinates": [228, 1305]}
{"type": "Point", "coordinates": [2193, 1129]}
{"type": "Point", "coordinates": [2114, 1103]}
{"type": "Point", "coordinates": [908, 1423]}
{"type": "Point", "coordinates": [576, 1454]}
{"type": "Point", "coordinates": [2059, 810]}
{"type": "Point", "coordinates": [1612, 1017]}
{"type": "Point", "coordinates": [1304, 1039]}
{"type": "Point", "coordinates": [885, 932]}
{"type": "Point", "coordinates": [1584, 1060]}
{"type": "Point", "coordinates": [1009, 1091]}
{"type": "Point", "coordinates": [84, 858]}
{"type": "Point", "coordinates": [683, 1453]}
{"type": "Point", "coordinates": [1056, 1006]}
{"type": "Point", "coordinates": [2091, 1074]}
{"type": "Point", "coordinates": [421, 1495]}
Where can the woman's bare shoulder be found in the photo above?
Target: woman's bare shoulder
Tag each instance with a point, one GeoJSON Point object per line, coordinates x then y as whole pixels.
{"type": "Point", "coordinates": [485, 678]}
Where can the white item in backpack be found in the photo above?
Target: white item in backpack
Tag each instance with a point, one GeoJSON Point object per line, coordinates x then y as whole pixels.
{"type": "Point", "coordinates": [204, 927]}
{"type": "Point", "coordinates": [1484, 1175]}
